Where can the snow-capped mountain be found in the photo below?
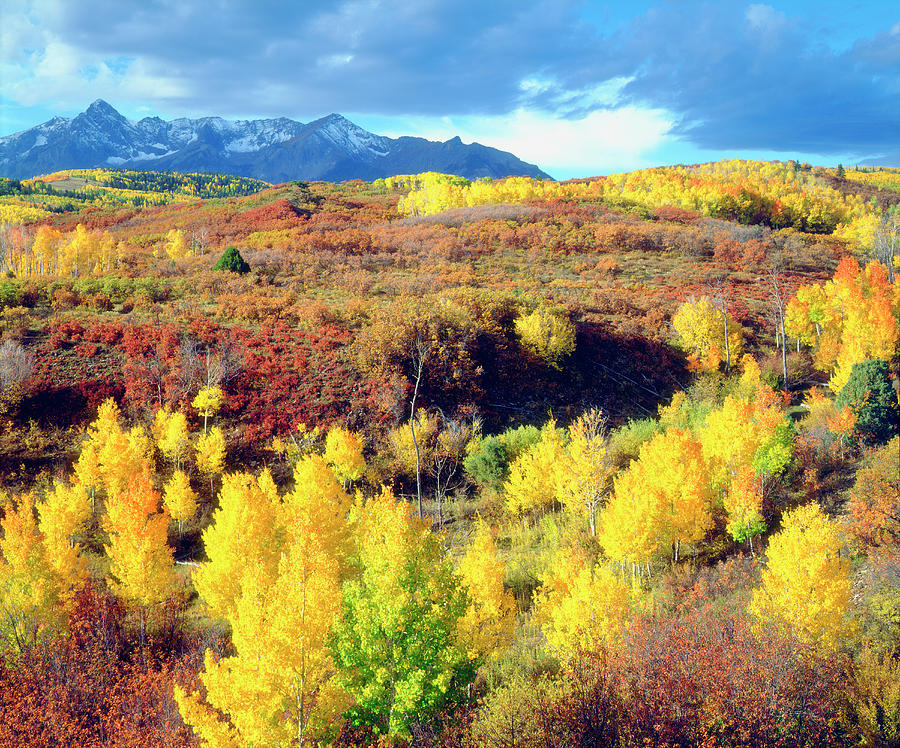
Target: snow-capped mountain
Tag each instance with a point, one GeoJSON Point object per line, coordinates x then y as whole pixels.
{"type": "Point", "coordinates": [276, 150]}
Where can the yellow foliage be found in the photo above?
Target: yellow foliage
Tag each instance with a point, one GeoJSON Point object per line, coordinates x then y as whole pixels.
{"type": "Point", "coordinates": [208, 402]}
{"type": "Point", "coordinates": [171, 432]}
{"type": "Point", "coordinates": [30, 590]}
{"type": "Point", "coordinates": [487, 627]}
{"type": "Point", "coordinates": [403, 447]}
{"type": "Point", "coordinates": [701, 329]}
{"type": "Point", "coordinates": [210, 448]}
{"type": "Point", "coordinates": [585, 469]}
{"type": "Point", "coordinates": [141, 564]}
{"type": "Point", "coordinates": [244, 532]}
{"type": "Point", "coordinates": [275, 690]}
{"type": "Point", "coordinates": [343, 451]}
{"type": "Point", "coordinates": [807, 583]}
{"type": "Point", "coordinates": [119, 455]}
{"type": "Point", "coordinates": [179, 497]}
{"type": "Point", "coordinates": [176, 245]}
{"type": "Point", "coordinates": [318, 495]}
{"type": "Point", "coordinates": [581, 608]}
{"type": "Point", "coordinates": [534, 475]}
{"type": "Point", "coordinates": [62, 515]}
{"type": "Point", "coordinates": [550, 336]}
{"type": "Point", "coordinates": [662, 499]}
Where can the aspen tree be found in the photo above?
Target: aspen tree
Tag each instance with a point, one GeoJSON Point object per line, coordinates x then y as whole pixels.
{"type": "Point", "coordinates": [532, 481]}
{"type": "Point", "coordinates": [581, 608]}
{"type": "Point", "coordinates": [171, 432]}
{"type": "Point", "coordinates": [210, 453]}
{"type": "Point", "coordinates": [487, 627]}
{"type": "Point", "coordinates": [141, 563]}
{"type": "Point", "coordinates": [244, 532]}
{"type": "Point", "coordinates": [179, 498]}
{"type": "Point", "coordinates": [343, 451]}
{"type": "Point", "coordinates": [806, 585]}
{"type": "Point", "coordinates": [208, 402]}
{"type": "Point", "coordinates": [277, 688]}
{"type": "Point", "coordinates": [396, 645]}
{"type": "Point", "coordinates": [585, 470]}
{"type": "Point", "coordinates": [29, 593]}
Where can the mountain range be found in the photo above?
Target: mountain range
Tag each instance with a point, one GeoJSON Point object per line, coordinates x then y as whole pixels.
{"type": "Point", "coordinates": [276, 150]}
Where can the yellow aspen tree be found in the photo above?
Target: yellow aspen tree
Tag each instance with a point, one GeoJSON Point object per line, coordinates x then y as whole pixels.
{"type": "Point", "coordinates": [141, 563]}
{"type": "Point", "coordinates": [46, 250]}
{"type": "Point", "coordinates": [79, 253]}
{"type": "Point", "coordinates": [208, 402]}
{"type": "Point", "coordinates": [120, 454]}
{"type": "Point", "coordinates": [676, 471]}
{"type": "Point", "coordinates": [277, 688]}
{"type": "Point", "coordinates": [581, 608]}
{"type": "Point", "coordinates": [663, 499]}
{"type": "Point", "coordinates": [318, 495]}
{"type": "Point", "coordinates": [244, 532]}
{"type": "Point", "coordinates": [548, 335]}
{"type": "Point", "coordinates": [176, 244]}
{"type": "Point", "coordinates": [179, 498]}
{"type": "Point", "coordinates": [344, 452]}
{"type": "Point", "coordinates": [62, 515]}
{"type": "Point", "coordinates": [702, 332]}
{"type": "Point", "coordinates": [306, 602]}
{"type": "Point", "coordinates": [585, 471]}
{"type": "Point", "coordinates": [210, 453]}
{"type": "Point", "coordinates": [172, 438]}
{"type": "Point", "coordinates": [266, 484]}
{"type": "Point", "coordinates": [806, 585]}
{"type": "Point", "coordinates": [88, 472]}
{"type": "Point", "coordinates": [532, 481]}
{"type": "Point", "coordinates": [631, 525]}
{"type": "Point", "coordinates": [29, 593]}
{"type": "Point", "coordinates": [487, 627]}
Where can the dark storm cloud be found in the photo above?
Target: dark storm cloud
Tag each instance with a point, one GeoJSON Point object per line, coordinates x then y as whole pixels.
{"type": "Point", "coordinates": [734, 75]}
{"type": "Point", "coordinates": [381, 57]}
{"type": "Point", "coordinates": [751, 77]}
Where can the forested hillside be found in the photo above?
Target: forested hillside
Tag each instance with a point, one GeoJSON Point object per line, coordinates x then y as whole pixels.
{"type": "Point", "coordinates": [438, 462]}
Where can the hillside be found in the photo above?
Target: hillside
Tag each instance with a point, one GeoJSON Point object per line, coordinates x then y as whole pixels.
{"type": "Point", "coordinates": [582, 434]}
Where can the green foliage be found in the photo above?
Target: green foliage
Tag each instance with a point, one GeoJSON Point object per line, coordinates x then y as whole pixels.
{"type": "Point", "coordinates": [625, 442]}
{"type": "Point", "coordinates": [10, 293]}
{"type": "Point", "coordinates": [488, 464]}
{"type": "Point", "coordinates": [231, 260]}
{"type": "Point", "coordinates": [872, 400]}
{"type": "Point", "coordinates": [518, 440]}
{"type": "Point", "coordinates": [396, 646]}
{"type": "Point", "coordinates": [774, 454]}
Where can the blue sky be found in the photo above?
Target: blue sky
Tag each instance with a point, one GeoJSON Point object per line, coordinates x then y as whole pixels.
{"type": "Point", "coordinates": [576, 86]}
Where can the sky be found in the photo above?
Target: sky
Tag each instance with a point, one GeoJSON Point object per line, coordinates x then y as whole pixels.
{"type": "Point", "coordinates": [578, 87]}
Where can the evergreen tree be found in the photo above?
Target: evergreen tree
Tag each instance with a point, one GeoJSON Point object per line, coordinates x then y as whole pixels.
{"type": "Point", "coordinates": [231, 260]}
{"type": "Point", "coordinates": [872, 400]}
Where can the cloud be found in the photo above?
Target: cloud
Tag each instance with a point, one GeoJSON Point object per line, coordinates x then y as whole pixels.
{"type": "Point", "coordinates": [720, 75]}
{"type": "Point", "coordinates": [756, 78]}
{"type": "Point", "coordinates": [607, 140]}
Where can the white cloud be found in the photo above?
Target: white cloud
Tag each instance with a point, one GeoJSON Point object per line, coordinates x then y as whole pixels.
{"type": "Point", "coordinates": [601, 142]}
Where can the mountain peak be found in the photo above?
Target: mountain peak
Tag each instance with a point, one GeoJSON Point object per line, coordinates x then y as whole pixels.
{"type": "Point", "coordinates": [332, 147]}
{"type": "Point", "coordinates": [101, 107]}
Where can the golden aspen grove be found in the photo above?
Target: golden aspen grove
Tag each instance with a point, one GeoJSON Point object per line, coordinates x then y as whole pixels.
{"type": "Point", "coordinates": [482, 463]}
